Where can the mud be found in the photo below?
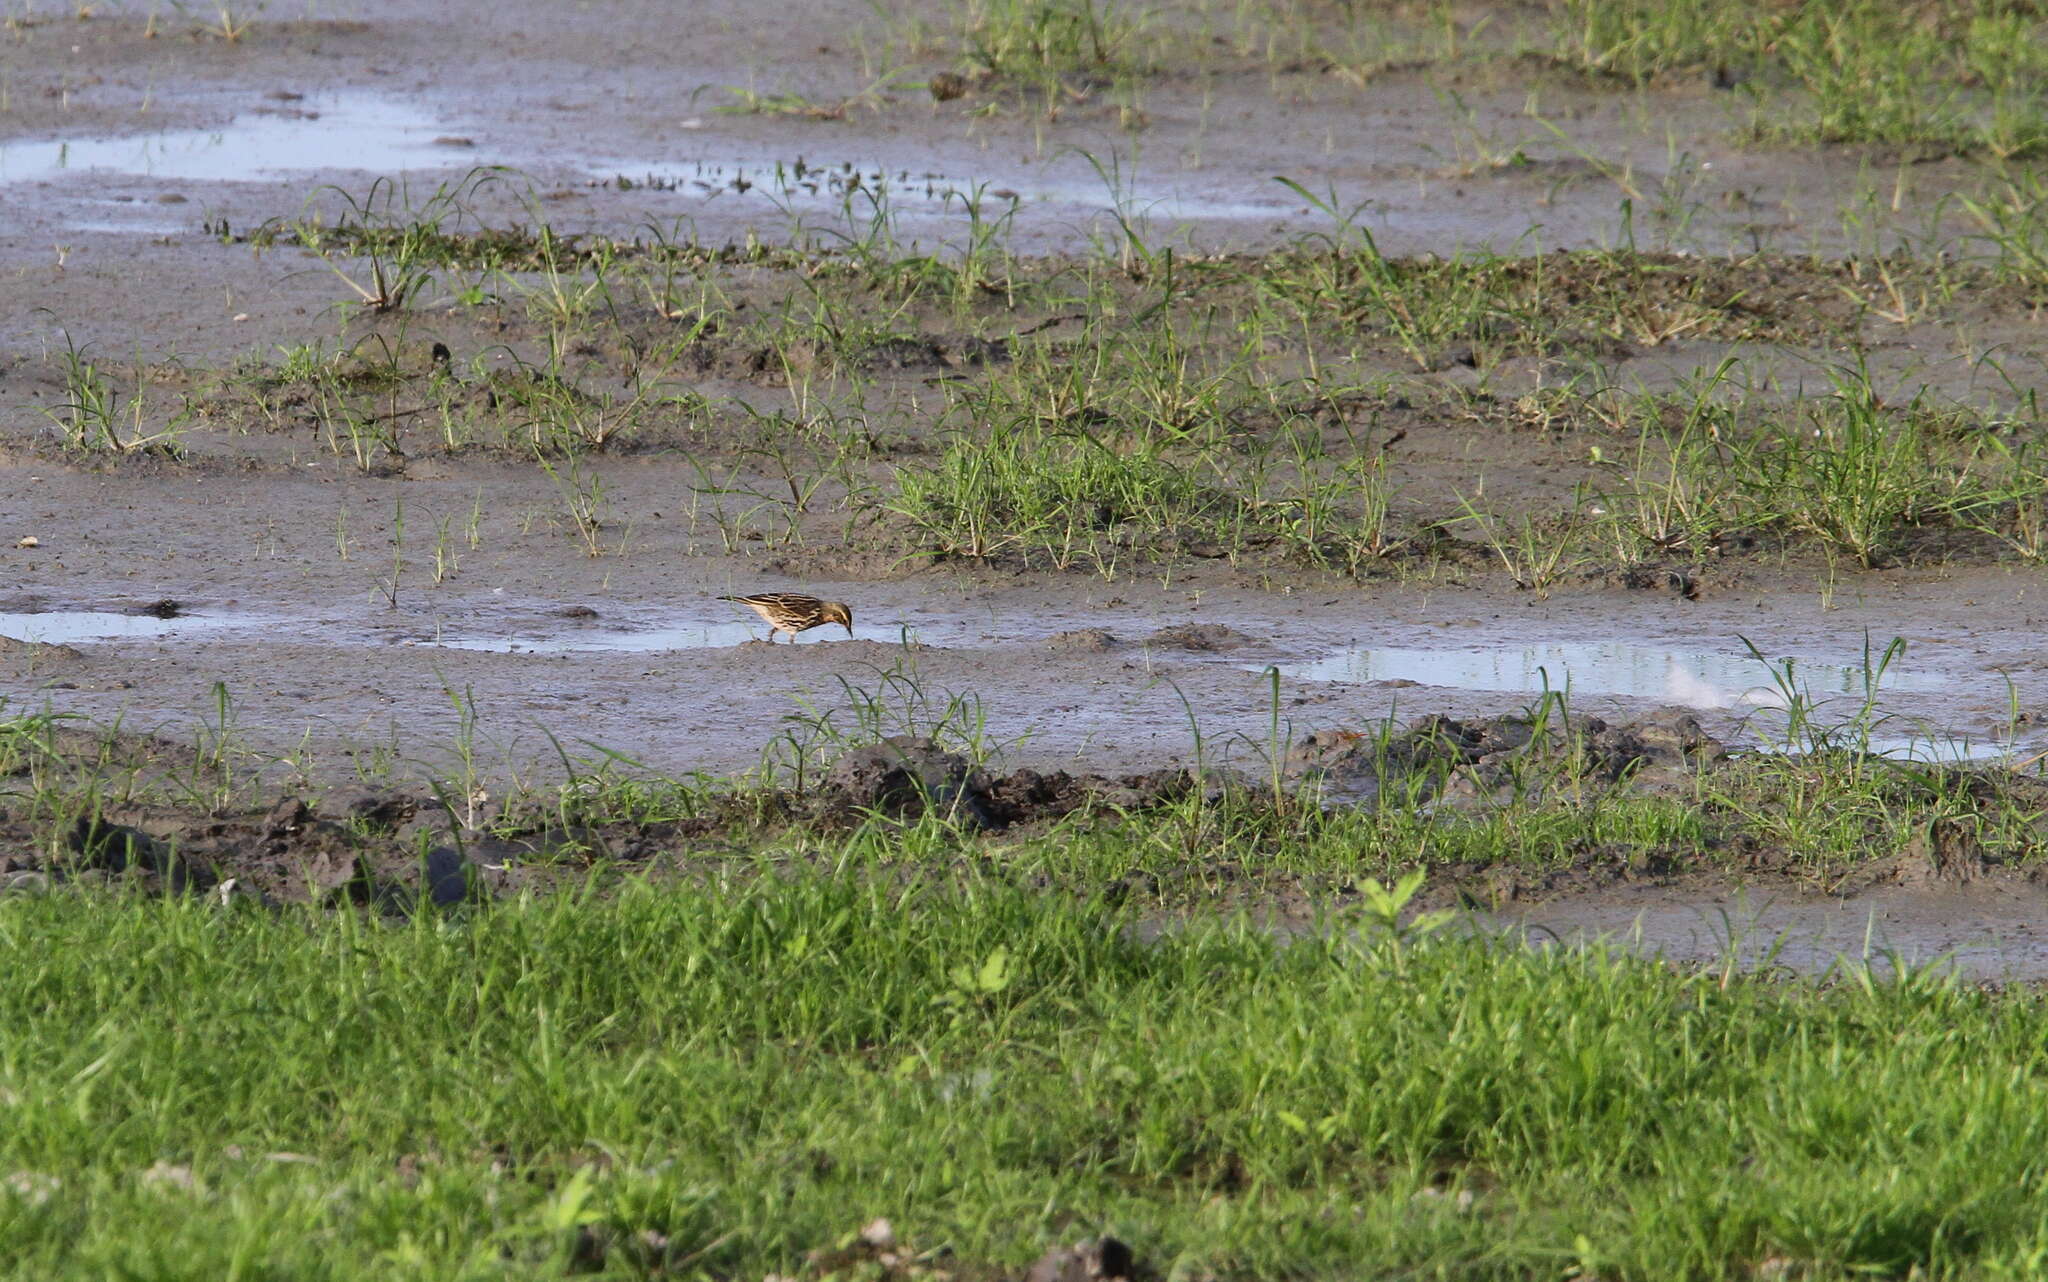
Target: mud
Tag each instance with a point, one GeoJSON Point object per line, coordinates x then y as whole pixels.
{"type": "Point", "coordinates": [366, 623]}
{"type": "Point", "coordinates": [1069, 671]}
{"type": "Point", "coordinates": [173, 822]}
{"type": "Point", "coordinates": [1984, 933]}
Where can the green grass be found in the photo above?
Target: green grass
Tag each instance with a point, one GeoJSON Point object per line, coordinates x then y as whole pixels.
{"type": "Point", "coordinates": [1960, 75]}
{"type": "Point", "coordinates": [713, 1082]}
{"type": "Point", "coordinates": [1844, 469]}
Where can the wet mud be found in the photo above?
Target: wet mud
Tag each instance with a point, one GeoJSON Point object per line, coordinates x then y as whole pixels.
{"type": "Point", "coordinates": [355, 620]}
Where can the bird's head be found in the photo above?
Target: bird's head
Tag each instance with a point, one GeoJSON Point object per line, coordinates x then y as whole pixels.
{"type": "Point", "coordinates": [837, 612]}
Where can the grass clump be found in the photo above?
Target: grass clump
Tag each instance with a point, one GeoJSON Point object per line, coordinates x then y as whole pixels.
{"type": "Point", "coordinates": [1960, 75]}
{"type": "Point", "coordinates": [724, 1080]}
{"type": "Point", "coordinates": [93, 419]}
{"type": "Point", "coordinates": [1852, 472]}
{"type": "Point", "coordinates": [1038, 41]}
{"type": "Point", "coordinates": [1138, 443]}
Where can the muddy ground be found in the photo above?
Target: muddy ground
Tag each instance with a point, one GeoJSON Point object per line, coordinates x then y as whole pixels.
{"type": "Point", "coordinates": [366, 622]}
{"type": "Point", "coordinates": [1956, 893]}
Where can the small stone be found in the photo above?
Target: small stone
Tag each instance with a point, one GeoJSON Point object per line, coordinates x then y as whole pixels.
{"type": "Point", "coordinates": [28, 541]}
{"type": "Point", "coordinates": [447, 874]}
{"type": "Point", "coordinates": [1090, 1261]}
{"type": "Point", "coordinates": [879, 1234]}
{"type": "Point", "coordinates": [25, 883]}
{"type": "Point", "coordinates": [334, 872]}
{"type": "Point", "coordinates": [32, 1187]}
{"type": "Point", "coordinates": [285, 818]}
{"type": "Point", "coordinates": [170, 1175]}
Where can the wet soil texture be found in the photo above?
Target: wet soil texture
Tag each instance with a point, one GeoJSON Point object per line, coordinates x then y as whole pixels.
{"type": "Point", "coordinates": [412, 381]}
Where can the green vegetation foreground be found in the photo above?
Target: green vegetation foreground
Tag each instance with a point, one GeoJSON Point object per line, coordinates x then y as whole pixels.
{"type": "Point", "coordinates": [719, 1081]}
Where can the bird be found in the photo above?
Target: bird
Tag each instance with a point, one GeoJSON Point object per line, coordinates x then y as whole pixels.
{"type": "Point", "coordinates": [793, 612]}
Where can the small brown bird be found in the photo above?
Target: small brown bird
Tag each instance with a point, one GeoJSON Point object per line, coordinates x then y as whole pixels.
{"type": "Point", "coordinates": [793, 612]}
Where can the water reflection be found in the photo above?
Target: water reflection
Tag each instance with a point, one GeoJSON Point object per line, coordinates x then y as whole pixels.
{"type": "Point", "coordinates": [1693, 679]}
{"type": "Point", "coordinates": [344, 131]}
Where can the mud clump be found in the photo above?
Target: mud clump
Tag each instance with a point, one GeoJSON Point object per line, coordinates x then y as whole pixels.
{"type": "Point", "coordinates": [905, 776]}
{"type": "Point", "coordinates": [1205, 638]}
{"type": "Point", "coordinates": [1944, 853]}
{"type": "Point", "coordinates": [1082, 641]}
{"type": "Point", "coordinates": [374, 807]}
{"type": "Point", "coordinates": [1677, 583]}
{"type": "Point", "coordinates": [1025, 796]}
{"type": "Point", "coordinates": [97, 845]}
{"type": "Point", "coordinates": [1666, 737]}
{"type": "Point", "coordinates": [33, 654]}
{"type": "Point", "coordinates": [363, 850]}
{"type": "Point", "coordinates": [1440, 757]}
{"type": "Point", "coordinates": [398, 848]}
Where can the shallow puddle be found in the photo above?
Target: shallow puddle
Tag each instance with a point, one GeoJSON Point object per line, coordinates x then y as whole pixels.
{"type": "Point", "coordinates": [1941, 749]}
{"type": "Point", "coordinates": [1985, 934]}
{"type": "Point", "coordinates": [860, 190]}
{"type": "Point", "coordinates": [349, 131]}
{"type": "Point", "coordinates": [62, 627]}
{"type": "Point", "coordinates": [799, 183]}
{"type": "Point", "coordinates": [599, 640]}
{"type": "Point", "coordinates": [1689, 679]}
{"type": "Point", "coordinates": [612, 637]}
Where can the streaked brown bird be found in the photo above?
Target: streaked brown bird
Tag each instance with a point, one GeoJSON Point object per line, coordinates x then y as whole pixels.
{"type": "Point", "coordinates": [793, 612]}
